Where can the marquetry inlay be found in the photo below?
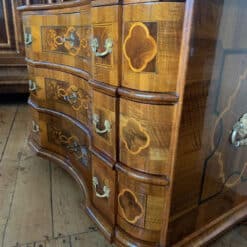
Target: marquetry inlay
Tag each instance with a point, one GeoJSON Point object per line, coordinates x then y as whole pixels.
{"type": "Point", "coordinates": [131, 208]}
{"type": "Point", "coordinates": [139, 47]}
{"type": "Point", "coordinates": [134, 136]}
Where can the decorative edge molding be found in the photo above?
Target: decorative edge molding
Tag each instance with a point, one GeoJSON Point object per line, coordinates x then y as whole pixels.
{"type": "Point", "coordinates": [215, 228]}
{"type": "Point", "coordinates": [103, 157]}
{"type": "Point", "coordinates": [142, 177]}
{"type": "Point", "coordinates": [64, 68]}
{"type": "Point", "coordinates": [103, 87]}
{"type": "Point", "coordinates": [124, 239]}
{"type": "Point", "coordinates": [156, 98]}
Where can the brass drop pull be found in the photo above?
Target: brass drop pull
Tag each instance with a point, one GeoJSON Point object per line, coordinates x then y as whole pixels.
{"type": "Point", "coordinates": [95, 45]}
{"type": "Point", "coordinates": [106, 189]}
{"type": "Point", "coordinates": [35, 127]}
{"type": "Point", "coordinates": [28, 38]}
{"type": "Point", "coordinates": [32, 85]}
{"type": "Point", "coordinates": [239, 132]}
{"type": "Point", "coordinates": [71, 98]}
{"type": "Point", "coordinates": [107, 125]}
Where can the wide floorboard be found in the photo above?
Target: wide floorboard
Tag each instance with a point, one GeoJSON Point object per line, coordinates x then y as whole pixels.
{"type": "Point", "coordinates": [40, 204]}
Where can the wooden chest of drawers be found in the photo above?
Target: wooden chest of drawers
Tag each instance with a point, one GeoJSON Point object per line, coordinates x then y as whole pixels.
{"type": "Point", "coordinates": [143, 103]}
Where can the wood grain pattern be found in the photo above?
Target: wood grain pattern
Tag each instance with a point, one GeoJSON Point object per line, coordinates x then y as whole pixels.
{"type": "Point", "coordinates": [157, 72]}
{"type": "Point", "coordinates": [105, 177]}
{"type": "Point", "coordinates": [62, 92]}
{"type": "Point", "coordinates": [144, 137]}
{"type": "Point", "coordinates": [104, 108]}
{"type": "Point", "coordinates": [168, 86]}
{"type": "Point", "coordinates": [140, 208]}
{"type": "Point", "coordinates": [207, 163]}
{"type": "Point", "coordinates": [52, 33]}
{"type": "Point", "coordinates": [65, 196]}
{"type": "Point", "coordinates": [106, 25]}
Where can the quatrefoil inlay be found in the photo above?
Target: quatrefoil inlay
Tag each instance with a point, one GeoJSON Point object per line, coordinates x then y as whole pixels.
{"type": "Point", "coordinates": [139, 47]}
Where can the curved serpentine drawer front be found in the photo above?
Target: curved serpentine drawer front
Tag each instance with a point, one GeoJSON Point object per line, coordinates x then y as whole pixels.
{"type": "Point", "coordinates": [59, 38]}
{"type": "Point", "coordinates": [62, 137]}
{"type": "Point", "coordinates": [151, 46]}
{"type": "Point", "coordinates": [61, 92]}
{"type": "Point", "coordinates": [103, 183]}
{"type": "Point", "coordinates": [145, 135]}
{"type": "Point", "coordinates": [104, 123]}
{"type": "Point", "coordinates": [140, 208]}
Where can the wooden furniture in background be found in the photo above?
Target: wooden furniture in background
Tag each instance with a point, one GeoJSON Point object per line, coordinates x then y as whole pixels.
{"type": "Point", "coordinates": [145, 106]}
{"type": "Point", "coordinates": [13, 69]}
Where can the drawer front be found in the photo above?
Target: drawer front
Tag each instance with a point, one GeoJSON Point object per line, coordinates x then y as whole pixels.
{"type": "Point", "coordinates": [61, 92]}
{"type": "Point", "coordinates": [152, 36]}
{"type": "Point", "coordinates": [105, 44]}
{"type": "Point", "coordinates": [140, 208]}
{"type": "Point", "coordinates": [104, 123]}
{"type": "Point", "coordinates": [145, 134]}
{"type": "Point", "coordinates": [103, 182]}
{"type": "Point", "coordinates": [59, 38]}
{"type": "Point", "coordinates": [64, 138]}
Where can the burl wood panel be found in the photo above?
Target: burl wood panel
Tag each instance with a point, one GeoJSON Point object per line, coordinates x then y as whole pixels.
{"type": "Point", "coordinates": [151, 45]}
{"type": "Point", "coordinates": [145, 132]}
{"type": "Point", "coordinates": [104, 123]}
{"type": "Point", "coordinates": [60, 37]}
{"type": "Point", "coordinates": [106, 24]}
{"type": "Point", "coordinates": [140, 207]}
{"type": "Point", "coordinates": [106, 177]}
{"type": "Point", "coordinates": [61, 92]}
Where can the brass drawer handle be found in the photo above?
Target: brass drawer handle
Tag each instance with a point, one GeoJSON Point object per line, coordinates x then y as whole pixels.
{"type": "Point", "coordinates": [35, 127]}
{"type": "Point", "coordinates": [239, 132]}
{"type": "Point", "coordinates": [107, 125]}
{"type": "Point", "coordinates": [95, 45]}
{"type": "Point", "coordinates": [32, 86]}
{"type": "Point", "coordinates": [81, 152]}
{"type": "Point", "coordinates": [106, 189]}
{"type": "Point", "coordinates": [28, 38]}
{"type": "Point", "coordinates": [71, 98]}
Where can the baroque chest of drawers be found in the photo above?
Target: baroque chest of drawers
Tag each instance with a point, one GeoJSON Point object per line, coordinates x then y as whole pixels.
{"type": "Point", "coordinates": [144, 104]}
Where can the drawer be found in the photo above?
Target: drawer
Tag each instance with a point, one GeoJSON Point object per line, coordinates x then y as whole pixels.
{"type": "Point", "coordinates": [61, 92]}
{"type": "Point", "coordinates": [140, 207]}
{"type": "Point", "coordinates": [152, 36]}
{"type": "Point", "coordinates": [62, 137]}
{"type": "Point", "coordinates": [59, 38]}
{"type": "Point", "coordinates": [104, 123]}
{"type": "Point", "coordinates": [105, 44]}
{"type": "Point", "coordinates": [145, 135]}
{"type": "Point", "coordinates": [103, 182]}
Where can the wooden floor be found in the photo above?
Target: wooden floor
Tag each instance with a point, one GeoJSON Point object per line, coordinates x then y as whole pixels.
{"type": "Point", "coordinates": [40, 204]}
